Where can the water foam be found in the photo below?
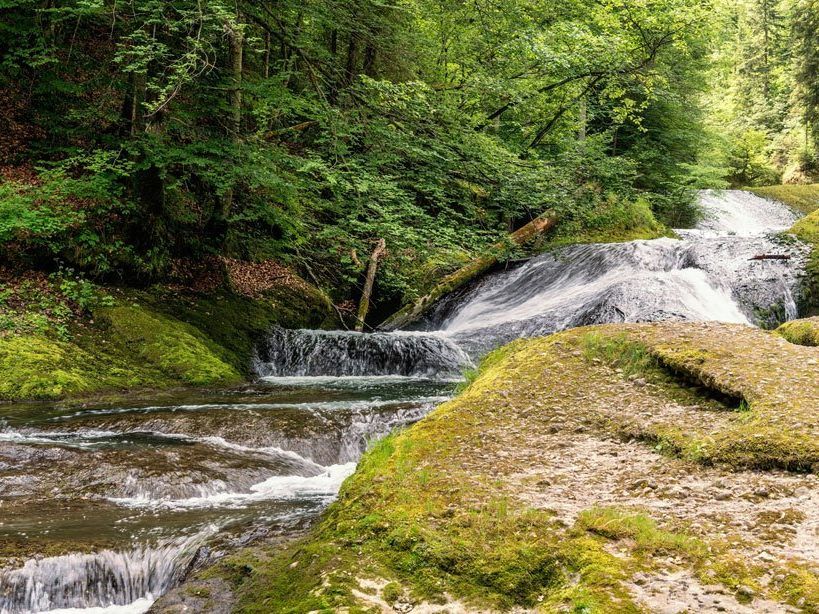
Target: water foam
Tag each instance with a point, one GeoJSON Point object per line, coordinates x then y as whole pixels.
{"type": "Point", "coordinates": [323, 486]}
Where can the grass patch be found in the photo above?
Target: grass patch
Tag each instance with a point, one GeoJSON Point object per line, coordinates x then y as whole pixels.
{"type": "Point", "coordinates": [801, 198]}
{"type": "Point", "coordinates": [648, 539]}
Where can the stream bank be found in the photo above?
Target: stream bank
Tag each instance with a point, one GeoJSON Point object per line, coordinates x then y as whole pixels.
{"type": "Point", "coordinates": [102, 342]}
{"type": "Point", "coordinates": [602, 469]}
{"type": "Point", "coordinates": [111, 504]}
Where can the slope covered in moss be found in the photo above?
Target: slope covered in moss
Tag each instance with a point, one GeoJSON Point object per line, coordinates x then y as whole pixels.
{"type": "Point", "coordinates": [59, 340]}
{"type": "Point", "coordinates": [597, 470]}
{"type": "Point", "coordinates": [801, 198]}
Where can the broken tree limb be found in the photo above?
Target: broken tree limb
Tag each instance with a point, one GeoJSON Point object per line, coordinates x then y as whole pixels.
{"type": "Point", "coordinates": [453, 281]}
{"type": "Point", "coordinates": [372, 267]}
{"type": "Point", "coordinates": [771, 257]}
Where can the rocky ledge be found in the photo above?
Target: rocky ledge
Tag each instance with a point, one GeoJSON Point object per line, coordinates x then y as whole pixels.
{"type": "Point", "coordinates": [656, 467]}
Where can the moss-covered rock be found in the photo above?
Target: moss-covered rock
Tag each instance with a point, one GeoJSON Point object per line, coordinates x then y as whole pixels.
{"type": "Point", "coordinates": [37, 367]}
{"type": "Point", "coordinates": [165, 344]}
{"type": "Point", "coordinates": [801, 332]}
{"type": "Point", "coordinates": [572, 473]}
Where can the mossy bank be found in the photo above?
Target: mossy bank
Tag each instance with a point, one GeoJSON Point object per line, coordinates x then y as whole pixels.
{"type": "Point", "coordinates": [601, 469]}
{"type": "Point", "coordinates": [58, 343]}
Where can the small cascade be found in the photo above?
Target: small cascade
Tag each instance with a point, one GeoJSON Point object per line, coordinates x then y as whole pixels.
{"type": "Point", "coordinates": [102, 579]}
{"type": "Point", "coordinates": [742, 213]}
{"type": "Point", "coordinates": [344, 354]}
{"type": "Point", "coordinates": [709, 273]}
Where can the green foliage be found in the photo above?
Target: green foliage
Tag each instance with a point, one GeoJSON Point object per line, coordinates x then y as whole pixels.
{"type": "Point", "coordinates": [438, 128]}
{"type": "Point", "coordinates": [762, 98]}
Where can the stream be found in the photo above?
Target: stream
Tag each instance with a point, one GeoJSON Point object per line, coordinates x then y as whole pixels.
{"type": "Point", "coordinates": [104, 508]}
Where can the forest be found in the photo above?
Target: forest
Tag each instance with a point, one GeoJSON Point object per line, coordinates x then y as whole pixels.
{"type": "Point", "coordinates": [137, 133]}
{"type": "Point", "coordinates": [409, 306]}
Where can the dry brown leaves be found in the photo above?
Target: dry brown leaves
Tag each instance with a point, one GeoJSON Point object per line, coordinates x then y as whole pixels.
{"type": "Point", "coordinates": [251, 279]}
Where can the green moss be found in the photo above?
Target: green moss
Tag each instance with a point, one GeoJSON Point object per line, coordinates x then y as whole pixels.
{"type": "Point", "coordinates": [169, 345]}
{"type": "Point", "coordinates": [36, 367]}
{"type": "Point", "coordinates": [801, 332]}
{"type": "Point", "coordinates": [394, 521]}
{"type": "Point", "coordinates": [801, 198]}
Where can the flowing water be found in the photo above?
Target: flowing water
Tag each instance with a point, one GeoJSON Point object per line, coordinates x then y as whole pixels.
{"type": "Point", "coordinates": [104, 508]}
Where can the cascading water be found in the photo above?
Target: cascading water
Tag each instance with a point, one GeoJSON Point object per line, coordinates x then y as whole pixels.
{"type": "Point", "coordinates": [123, 499]}
{"type": "Point", "coordinates": [336, 353]}
{"type": "Point", "coordinates": [110, 489]}
{"type": "Point", "coordinates": [710, 273]}
{"type": "Point", "coordinates": [118, 580]}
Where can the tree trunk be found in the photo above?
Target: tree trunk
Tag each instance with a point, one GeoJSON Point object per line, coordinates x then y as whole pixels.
{"type": "Point", "coordinates": [372, 266]}
{"type": "Point", "coordinates": [410, 313]}
{"type": "Point", "coordinates": [582, 120]}
{"type": "Point", "coordinates": [236, 49]}
{"type": "Point", "coordinates": [369, 61]}
{"type": "Point", "coordinates": [267, 55]}
{"type": "Point", "coordinates": [236, 41]}
{"type": "Point", "coordinates": [352, 55]}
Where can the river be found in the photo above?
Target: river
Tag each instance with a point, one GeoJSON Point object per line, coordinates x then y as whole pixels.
{"type": "Point", "coordinates": [105, 507]}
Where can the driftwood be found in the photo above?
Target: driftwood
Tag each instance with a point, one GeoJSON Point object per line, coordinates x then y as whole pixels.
{"type": "Point", "coordinates": [771, 257]}
{"type": "Point", "coordinates": [453, 281]}
{"type": "Point", "coordinates": [372, 266]}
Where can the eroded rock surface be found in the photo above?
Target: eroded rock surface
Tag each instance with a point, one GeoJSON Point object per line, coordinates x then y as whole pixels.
{"type": "Point", "coordinates": [654, 467]}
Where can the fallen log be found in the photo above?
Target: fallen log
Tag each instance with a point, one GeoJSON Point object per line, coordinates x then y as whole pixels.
{"type": "Point", "coordinates": [372, 266]}
{"type": "Point", "coordinates": [453, 281]}
{"type": "Point", "coordinates": [771, 257]}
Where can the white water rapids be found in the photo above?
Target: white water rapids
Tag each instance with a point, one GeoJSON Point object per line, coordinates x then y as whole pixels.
{"type": "Point", "coordinates": [162, 480]}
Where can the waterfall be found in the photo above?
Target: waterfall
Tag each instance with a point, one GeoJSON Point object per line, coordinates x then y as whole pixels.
{"type": "Point", "coordinates": [103, 579]}
{"type": "Point", "coordinates": [343, 353]}
{"type": "Point", "coordinates": [707, 273]}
